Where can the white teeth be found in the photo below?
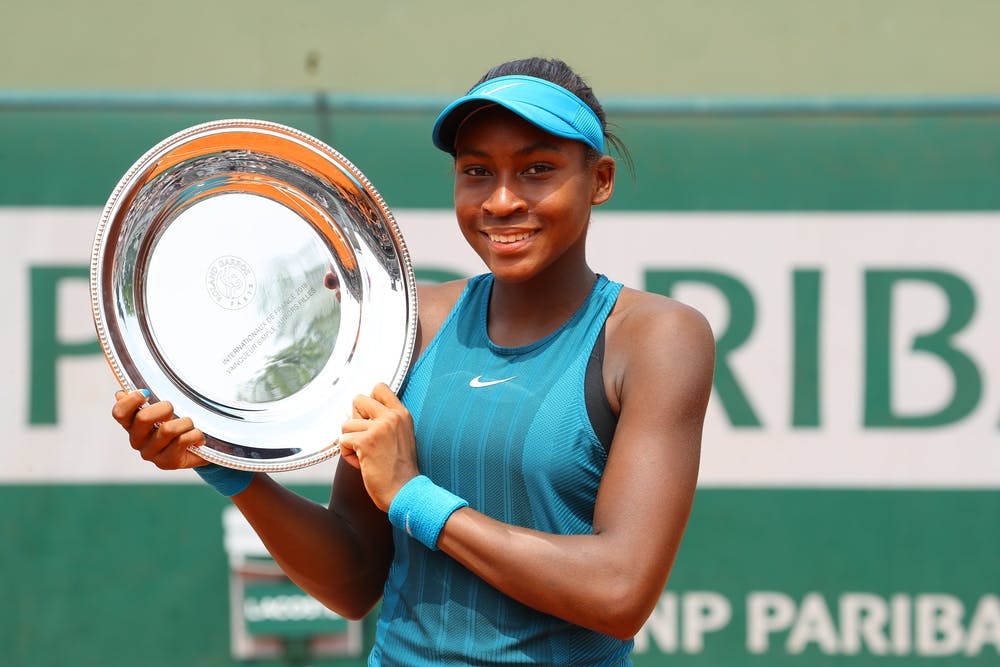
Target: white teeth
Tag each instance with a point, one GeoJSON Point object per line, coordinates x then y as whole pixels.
{"type": "Point", "coordinates": [509, 238]}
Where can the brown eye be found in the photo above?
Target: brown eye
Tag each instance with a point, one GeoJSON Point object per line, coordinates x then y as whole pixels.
{"type": "Point", "coordinates": [537, 169]}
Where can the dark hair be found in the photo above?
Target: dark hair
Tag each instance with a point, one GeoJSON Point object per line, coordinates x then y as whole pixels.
{"type": "Point", "coordinates": [558, 72]}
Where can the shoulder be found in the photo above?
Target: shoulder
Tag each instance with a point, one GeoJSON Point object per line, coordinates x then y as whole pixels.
{"type": "Point", "coordinates": [639, 316]}
{"type": "Point", "coordinates": [434, 302]}
{"type": "Point", "coordinates": [653, 339]}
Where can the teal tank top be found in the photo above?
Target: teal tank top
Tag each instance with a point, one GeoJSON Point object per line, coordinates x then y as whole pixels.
{"type": "Point", "coordinates": [507, 429]}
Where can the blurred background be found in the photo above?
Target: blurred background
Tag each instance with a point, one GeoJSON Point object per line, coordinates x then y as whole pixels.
{"type": "Point", "coordinates": [822, 179]}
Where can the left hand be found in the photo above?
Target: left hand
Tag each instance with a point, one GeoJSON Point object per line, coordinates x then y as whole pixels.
{"type": "Point", "coordinates": [379, 440]}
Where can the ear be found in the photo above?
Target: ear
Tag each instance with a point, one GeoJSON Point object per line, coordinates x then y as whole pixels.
{"type": "Point", "coordinates": [603, 172]}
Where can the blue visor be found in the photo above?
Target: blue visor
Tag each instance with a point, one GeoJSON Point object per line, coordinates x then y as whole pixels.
{"type": "Point", "coordinates": [540, 102]}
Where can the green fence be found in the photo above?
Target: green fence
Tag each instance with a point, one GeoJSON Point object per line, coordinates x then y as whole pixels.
{"type": "Point", "coordinates": [715, 155]}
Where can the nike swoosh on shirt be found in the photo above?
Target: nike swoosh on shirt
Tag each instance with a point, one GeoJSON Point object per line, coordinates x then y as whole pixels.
{"type": "Point", "coordinates": [478, 381]}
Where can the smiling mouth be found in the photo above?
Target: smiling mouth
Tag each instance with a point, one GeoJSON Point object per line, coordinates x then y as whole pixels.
{"type": "Point", "coordinates": [508, 238]}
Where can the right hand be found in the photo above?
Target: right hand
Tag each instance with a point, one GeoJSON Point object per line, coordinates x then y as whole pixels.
{"type": "Point", "coordinates": [156, 434]}
{"type": "Point", "coordinates": [379, 441]}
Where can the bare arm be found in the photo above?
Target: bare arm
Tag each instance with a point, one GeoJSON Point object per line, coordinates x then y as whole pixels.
{"type": "Point", "coordinates": [341, 554]}
{"type": "Point", "coordinates": [338, 554]}
{"type": "Point", "coordinates": [609, 581]}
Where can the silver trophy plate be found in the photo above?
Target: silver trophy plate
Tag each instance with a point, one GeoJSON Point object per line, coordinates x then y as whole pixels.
{"type": "Point", "coordinates": [251, 275]}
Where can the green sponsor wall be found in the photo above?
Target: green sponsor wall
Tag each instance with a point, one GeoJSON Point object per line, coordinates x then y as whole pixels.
{"type": "Point", "coordinates": [920, 154]}
{"type": "Point", "coordinates": [136, 574]}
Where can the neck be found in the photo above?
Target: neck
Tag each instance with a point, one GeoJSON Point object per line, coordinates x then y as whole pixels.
{"type": "Point", "coordinates": [524, 312]}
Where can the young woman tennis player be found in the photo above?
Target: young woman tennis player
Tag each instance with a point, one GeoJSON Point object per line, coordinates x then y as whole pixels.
{"type": "Point", "coordinates": [523, 498]}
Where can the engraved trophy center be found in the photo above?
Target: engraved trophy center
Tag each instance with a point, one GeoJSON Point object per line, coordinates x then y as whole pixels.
{"type": "Point", "coordinates": [230, 282]}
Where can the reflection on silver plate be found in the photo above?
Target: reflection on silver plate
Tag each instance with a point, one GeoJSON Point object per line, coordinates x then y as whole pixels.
{"type": "Point", "coordinates": [253, 276]}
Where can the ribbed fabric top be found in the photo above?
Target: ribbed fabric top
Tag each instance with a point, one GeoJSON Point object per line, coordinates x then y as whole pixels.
{"type": "Point", "coordinates": [508, 430]}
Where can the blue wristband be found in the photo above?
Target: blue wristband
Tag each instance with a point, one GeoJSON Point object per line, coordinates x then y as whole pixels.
{"type": "Point", "coordinates": [227, 481]}
{"type": "Point", "coordinates": [421, 508]}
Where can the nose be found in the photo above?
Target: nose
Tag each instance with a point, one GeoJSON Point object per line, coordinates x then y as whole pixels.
{"type": "Point", "coordinates": [504, 201]}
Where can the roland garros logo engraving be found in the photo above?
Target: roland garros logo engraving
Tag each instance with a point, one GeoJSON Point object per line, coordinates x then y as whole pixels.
{"type": "Point", "coordinates": [231, 282]}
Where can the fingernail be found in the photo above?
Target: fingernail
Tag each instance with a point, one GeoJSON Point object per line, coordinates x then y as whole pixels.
{"type": "Point", "coordinates": [144, 392]}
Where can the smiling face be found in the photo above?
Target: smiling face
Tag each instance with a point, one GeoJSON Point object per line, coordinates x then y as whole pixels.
{"type": "Point", "coordinates": [523, 196]}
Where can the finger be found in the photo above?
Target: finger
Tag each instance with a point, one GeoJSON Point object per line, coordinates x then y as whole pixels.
{"type": "Point", "coordinates": [352, 461]}
{"type": "Point", "coordinates": [190, 459]}
{"type": "Point", "coordinates": [174, 428]}
{"type": "Point", "coordinates": [167, 445]}
{"type": "Point", "coordinates": [178, 452]}
{"type": "Point", "coordinates": [386, 396]}
{"type": "Point", "coordinates": [148, 420]}
{"type": "Point", "coordinates": [152, 449]}
{"type": "Point", "coordinates": [192, 438]}
{"type": "Point", "coordinates": [126, 405]}
{"type": "Point", "coordinates": [348, 453]}
{"type": "Point", "coordinates": [356, 425]}
{"type": "Point", "coordinates": [174, 455]}
{"type": "Point", "coordinates": [367, 407]}
{"type": "Point", "coordinates": [384, 406]}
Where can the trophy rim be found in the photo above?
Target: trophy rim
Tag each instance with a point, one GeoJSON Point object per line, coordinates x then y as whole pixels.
{"type": "Point", "coordinates": [142, 171]}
